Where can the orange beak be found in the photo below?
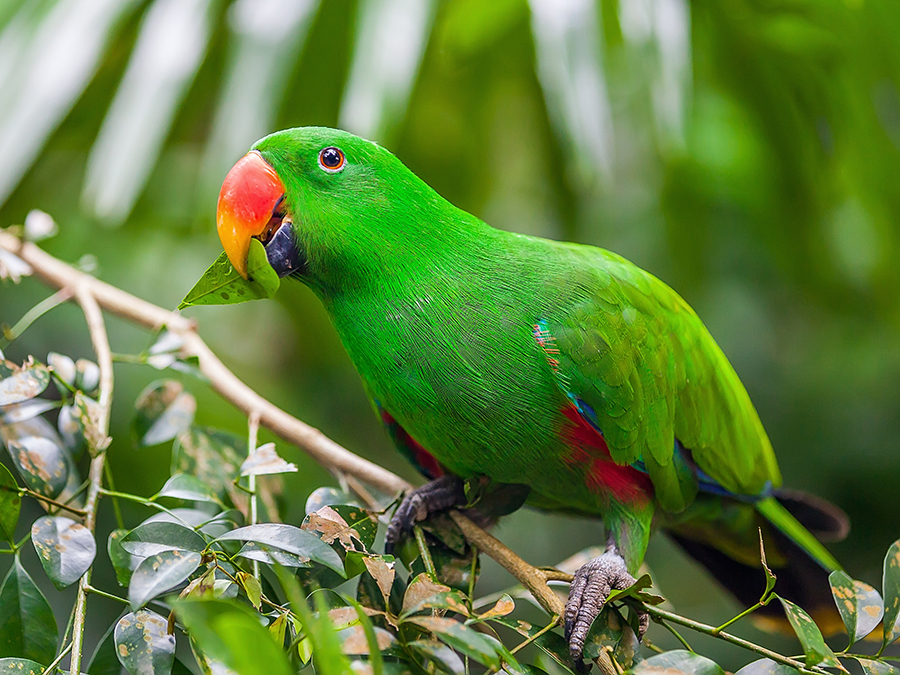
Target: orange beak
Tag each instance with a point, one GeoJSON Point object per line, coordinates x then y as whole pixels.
{"type": "Point", "coordinates": [249, 195]}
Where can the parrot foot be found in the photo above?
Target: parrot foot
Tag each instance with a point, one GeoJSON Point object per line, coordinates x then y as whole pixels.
{"type": "Point", "coordinates": [438, 495]}
{"type": "Point", "coordinates": [591, 586]}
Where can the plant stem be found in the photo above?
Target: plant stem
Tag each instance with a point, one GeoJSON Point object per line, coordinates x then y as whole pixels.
{"type": "Point", "coordinates": [554, 621]}
{"type": "Point", "coordinates": [740, 616]}
{"type": "Point", "coordinates": [53, 502]}
{"type": "Point", "coordinates": [678, 636]}
{"type": "Point", "coordinates": [104, 594]}
{"type": "Point", "coordinates": [253, 433]}
{"type": "Point", "coordinates": [33, 314]}
{"type": "Point", "coordinates": [425, 553]}
{"type": "Point", "coordinates": [115, 500]}
{"type": "Point", "coordinates": [100, 341]}
{"type": "Point", "coordinates": [59, 657]}
{"type": "Point", "coordinates": [658, 613]}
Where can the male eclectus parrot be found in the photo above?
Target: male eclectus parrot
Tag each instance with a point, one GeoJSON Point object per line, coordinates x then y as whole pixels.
{"type": "Point", "coordinates": [563, 371]}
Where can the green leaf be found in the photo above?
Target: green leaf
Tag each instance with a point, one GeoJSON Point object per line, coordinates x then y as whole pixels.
{"type": "Point", "coordinates": [10, 504]}
{"type": "Point", "coordinates": [155, 537]}
{"type": "Point", "coordinates": [183, 486]}
{"type": "Point", "coordinates": [551, 643]}
{"type": "Point", "coordinates": [27, 626]}
{"type": "Point", "coordinates": [122, 561]}
{"type": "Point", "coordinates": [20, 667]}
{"type": "Point", "coordinates": [290, 539]}
{"type": "Point", "coordinates": [423, 593]}
{"type": "Point", "coordinates": [891, 588]}
{"type": "Point", "coordinates": [266, 461]}
{"type": "Point", "coordinates": [222, 285]}
{"type": "Point", "coordinates": [810, 636]}
{"type": "Point", "coordinates": [39, 455]}
{"type": "Point", "coordinates": [20, 412]}
{"type": "Point", "coordinates": [20, 384]}
{"type": "Point", "coordinates": [445, 660]}
{"type": "Point", "coordinates": [636, 590]}
{"type": "Point", "coordinates": [272, 556]}
{"type": "Point", "coordinates": [770, 576]}
{"type": "Point", "coordinates": [328, 496]}
{"type": "Point", "coordinates": [484, 649]}
{"type": "Point", "coordinates": [65, 548]}
{"type": "Point", "coordinates": [232, 635]}
{"type": "Point", "coordinates": [70, 430]}
{"type": "Point", "coordinates": [143, 644]}
{"type": "Point", "coordinates": [767, 667]}
{"type": "Point", "coordinates": [859, 604]}
{"type": "Point", "coordinates": [212, 456]}
{"type": "Point", "coordinates": [251, 587]}
{"type": "Point", "coordinates": [453, 569]}
{"type": "Point", "coordinates": [160, 573]}
{"type": "Point", "coordinates": [871, 667]}
{"type": "Point", "coordinates": [163, 410]}
{"type": "Point", "coordinates": [678, 661]}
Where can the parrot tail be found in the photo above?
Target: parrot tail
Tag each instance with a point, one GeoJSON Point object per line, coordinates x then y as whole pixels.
{"type": "Point", "coordinates": [793, 524]}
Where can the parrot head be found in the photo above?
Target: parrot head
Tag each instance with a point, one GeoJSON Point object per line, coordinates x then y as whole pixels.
{"type": "Point", "coordinates": [322, 202]}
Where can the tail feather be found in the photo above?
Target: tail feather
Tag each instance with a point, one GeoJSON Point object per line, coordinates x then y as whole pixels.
{"type": "Point", "coordinates": [799, 561]}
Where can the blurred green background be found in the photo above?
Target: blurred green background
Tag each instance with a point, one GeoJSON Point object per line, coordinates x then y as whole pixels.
{"type": "Point", "coordinates": [747, 152]}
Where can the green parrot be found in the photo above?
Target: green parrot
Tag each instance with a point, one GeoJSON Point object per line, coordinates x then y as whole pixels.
{"type": "Point", "coordinates": [559, 372]}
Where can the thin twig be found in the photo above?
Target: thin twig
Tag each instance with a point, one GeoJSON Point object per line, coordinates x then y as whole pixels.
{"type": "Point", "coordinates": [97, 328]}
{"type": "Point", "coordinates": [253, 433]}
{"type": "Point", "coordinates": [52, 502]}
{"type": "Point", "coordinates": [33, 314]}
{"type": "Point", "coordinates": [59, 657]}
{"type": "Point", "coordinates": [658, 613]}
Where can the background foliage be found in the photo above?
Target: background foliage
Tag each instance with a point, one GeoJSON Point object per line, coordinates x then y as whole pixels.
{"type": "Point", "coordinates": [746, 152]}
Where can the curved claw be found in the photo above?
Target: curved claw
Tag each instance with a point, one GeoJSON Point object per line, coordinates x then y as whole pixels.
{"type": "Point", "coordinates": [438, 495]}
{"type": "Point", "coordinates": [590, 588]}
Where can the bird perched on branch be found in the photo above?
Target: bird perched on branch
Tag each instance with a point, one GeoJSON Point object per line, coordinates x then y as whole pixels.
{"type": "Point", "coordinates": [560, 372]}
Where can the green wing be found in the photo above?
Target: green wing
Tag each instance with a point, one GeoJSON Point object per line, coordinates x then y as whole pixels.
{"type": "Point", "coordinates": [641, 366]}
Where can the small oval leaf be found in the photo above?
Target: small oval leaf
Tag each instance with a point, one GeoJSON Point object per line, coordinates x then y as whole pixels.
{"type": "Point", "coordinates": [10, 504]}
{"type": "Point", "coordinates": [291, 539]}
{"type": "Point", "coordinates": [891, 588]}
{"type": "Point", "coordinates": [160, 573]}
{"type": "Point", "coordinates": [65, 548]}
{"type": "Point", "coordinates": [143, 644]}
{"type": "Point", "coordinates": [222, 285]}
{"type": "Point", "coordinates": [678, 661]}
{"type": "Point", "coordinates": [18, 384]}
{"type": "Point", "coordinates": [122, 561]}
{"type": "Point", "coordinates": [20, 667]}
{"type": "Point", "coordinates": [155, 537]}
{"type": "Point", "coordinates": [265, 460]}
{"type": "Point", "coordinates": [859, 604]}
{"type": "Point", "coordinates": [767, 667]}
{"type": "Point", "coordinates": [810, 636]}
{"type": "Point", "coordinates": [483, 648]}
{"type": "Point", "coordinates": [871, 667]}
{"type": "Point", "coordinates": [183, 486]}
{"type": "Point", "coordinates": [27, 626]}
{"type": "Point", "coordinates": [164, 410]}
{"type": "Point", "coordinates": [39, 455]}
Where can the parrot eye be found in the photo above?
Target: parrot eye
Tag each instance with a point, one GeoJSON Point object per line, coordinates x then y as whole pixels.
{"type": "Point", "coordinates": [331, 159]}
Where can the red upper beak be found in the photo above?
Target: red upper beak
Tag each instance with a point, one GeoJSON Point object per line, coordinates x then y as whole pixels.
{"type": "Point", "coordinates": [249, 195]}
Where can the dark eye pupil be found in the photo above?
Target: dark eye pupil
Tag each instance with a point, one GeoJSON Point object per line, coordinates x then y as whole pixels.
{"type": "Point", "coordinates": [331, 158]}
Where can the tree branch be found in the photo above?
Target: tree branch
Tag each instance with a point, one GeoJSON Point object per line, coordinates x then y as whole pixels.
{"type": "Point", "coordinates": [91, 292]}
{"type": "Point", "coordinates": [97, 328]}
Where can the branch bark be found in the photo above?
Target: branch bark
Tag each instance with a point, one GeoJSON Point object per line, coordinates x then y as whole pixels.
{"type": "Point", "coordinates": [333, 456]}
{"type": "Point", "coordinates": [97, 328]}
